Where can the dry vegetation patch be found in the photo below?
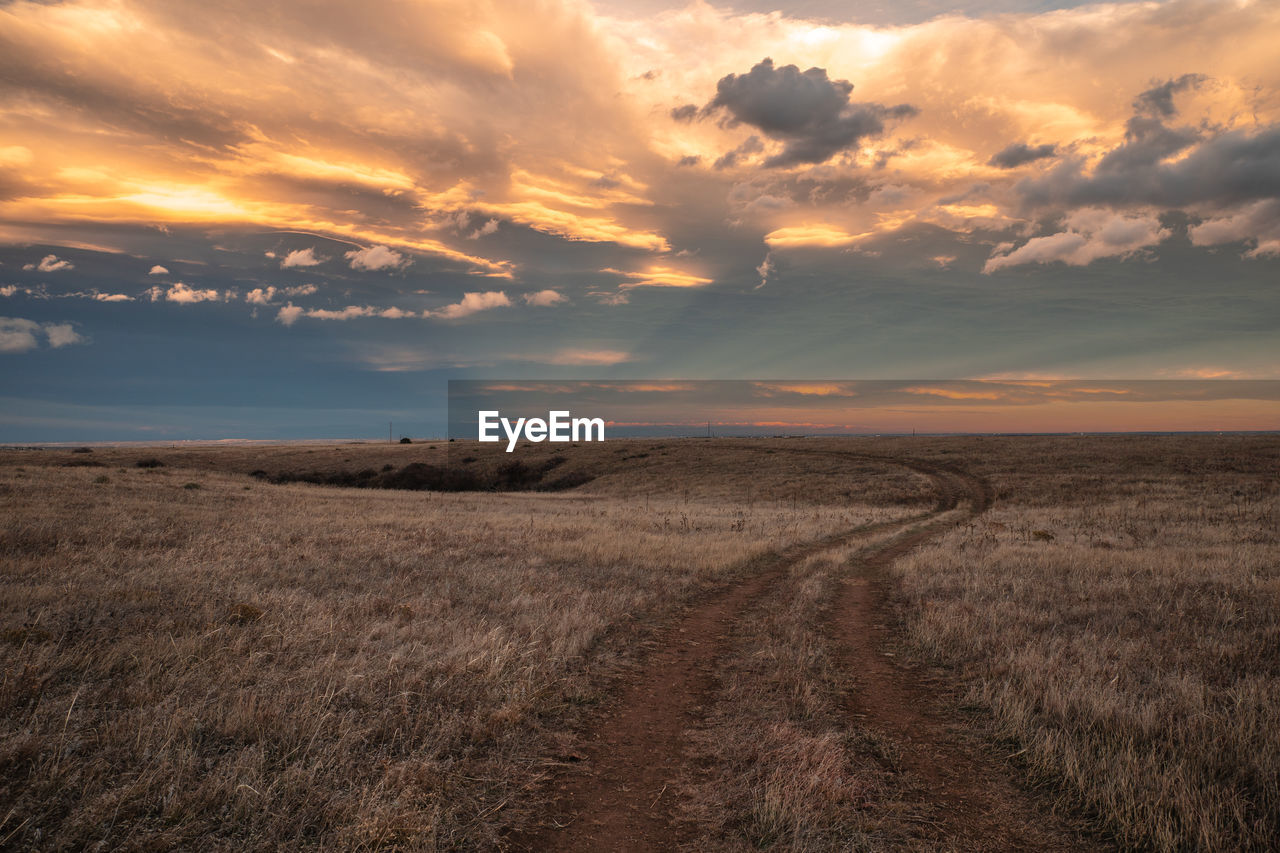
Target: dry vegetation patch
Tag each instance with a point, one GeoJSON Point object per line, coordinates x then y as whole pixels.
{"type": "Point", "coordinates": [1119, 614]}
{"type": "Point", "coordinates": [250, 665]}
{"type": "Point", "coordinates": [247, 665]}
{"type": "Point", "coordinates": [778, 765]}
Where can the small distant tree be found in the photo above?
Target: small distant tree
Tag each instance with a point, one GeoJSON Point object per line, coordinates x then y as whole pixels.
{"type": "Point", "coordinates": [404, 439]}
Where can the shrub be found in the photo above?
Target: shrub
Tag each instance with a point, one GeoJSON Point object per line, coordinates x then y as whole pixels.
{"type": "Point", "coordinates": [514, 476]}
{"type": "Point", "coordinates": [244, 614]}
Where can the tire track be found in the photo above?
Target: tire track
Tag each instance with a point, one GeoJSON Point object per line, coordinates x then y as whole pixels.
{"type": "Point", "coordinates": [974, 802]}
{"type": "Point", "coordinates": [620, 800]}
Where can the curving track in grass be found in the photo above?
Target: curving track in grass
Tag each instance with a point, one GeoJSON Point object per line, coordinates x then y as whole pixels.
{"type": "Point", "coordinates": [619, 798]}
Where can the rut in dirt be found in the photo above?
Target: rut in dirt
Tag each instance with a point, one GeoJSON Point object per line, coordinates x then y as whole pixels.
{"type": "Point", "coordinates": [970, 797]}
{"type": "Point", "coordinates": [621, 800]}
{"type": "Point", "coordinates": [622, 797]}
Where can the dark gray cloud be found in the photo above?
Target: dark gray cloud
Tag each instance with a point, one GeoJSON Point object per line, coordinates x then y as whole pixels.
{"type": "Point", "coordinates": [1216, 169]}
{"type": "Point", "coordinates": [1223, 170]}
{"type": "Point", "coordinates": [752, 145]}
{"type": "Point", "coordinates": [27, 75]}
{"type": "Point", "coordinates": [807, 111]}
{"type": "Point", "coordinates": [1020, 153]}
{"type": "Point", "coordinates": [978, 190]}
{"type": "Point", "coordinates": [1147, 141]}
{"type": "Point", "coordinates": [1158, 100]}
{"type": "Point", "coordinates": [685, 112]}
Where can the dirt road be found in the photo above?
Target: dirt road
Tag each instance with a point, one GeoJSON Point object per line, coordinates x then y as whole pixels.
{"type": "Point", "coordinates": [620, 797]}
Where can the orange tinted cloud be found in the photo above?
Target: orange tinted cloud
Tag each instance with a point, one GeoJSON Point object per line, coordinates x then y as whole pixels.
{"type": "Point", "coordinates": [582, 356]}
{"type": "Point", "coordinates": [393, 123]}
{"type": "Point", "coordinates": [659, 276]}
{"type": "Point", "coordinates": [968, 393]}
{"type": "Point", "coordinates": [797, 236]}
{"type": "Point", "coordinates": [811, 389]}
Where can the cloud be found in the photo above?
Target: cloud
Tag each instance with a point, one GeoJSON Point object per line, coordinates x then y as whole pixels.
{"type": "Point", "coordinates": [1020, 153]}
{"type": "Point", "coordinates": [659, 276]}
{"type": "Point", "coordinates": [765, 270]}
{"type": "Point", "coordinates": [544, 298]}
{"type": "Point", "coordinates": [62, 335]}
{"type": "Point", "coordinates": [301, 258]}
{"type": "Point", "coordinates": [182, 294]}
{"type": "Point", "coordinates": [50, 263]}
{"type": "Point", "coordinates": [18, 335]}
{"type": "Point", "coordinates": [956, 393]}
{"type": "Point", "coordinates": [1257, 223]}
{"type": "Point", "coordinates": [685, 112]}
{"type": "Point", "coordinates": [488, 228]}
{"type": "Point", "coordinates": [41, 293]}
{"type": "Point", "coordinates": [15, 157]}
{"type": "Point", "coordinates": [260, 296]}
{"type": "Point", "coordinates": [376, 258]}
{"type": "Point", "coordinates": [806, 389]}
{"type": "Point", "coordinates": [1205, 373]}
{"type": "Point", "coordinates": [407, 120]}
{"type": "Point", "coordinates": [348, 313]}
{"type": "Point", "coordinates": [267, 295]}
{"type": "Point", "coordinates": [586, 357]}
{"type": "Point", "coordinates": [1158, 100]}
{"type": "Point", "coordinates": [807, 111]}
{"type": "Point", "coordinates": [1227, 178]}
{"type": "Point", "coordinates": [158, 270]}
{"type": "Point", "coordinates": [610, 297]}
{"type": "Point", "coordinates": [1091, 233]}
{"type": "Point", "coordinates": [1170, 167]}
{"type": "Point", "coordinates": [817, 234]}
{"type": "Point", "coordinates": [472, 303]}
{"type": "Point", "coordinates": [288, 314]}
{"type": "Point", "coordinates": [751, 145]}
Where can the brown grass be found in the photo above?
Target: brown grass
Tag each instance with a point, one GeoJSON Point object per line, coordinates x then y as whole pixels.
{"type": "Point", "coordinates": [1119, 614]}
{"type": "Point", "coordinates": [251, 665]}
{"type": "Point", "coordinates": [779, 767]}
{"type": "Point", "coordinates": [245, 665]}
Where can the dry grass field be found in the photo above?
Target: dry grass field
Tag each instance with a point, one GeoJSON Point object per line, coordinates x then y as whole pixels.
{"type": "Point", "coordinates": [199, 658]}
{"type": "Point", "coordinates": [194, 657]}
{"type": "Point", "coordinates": [1118, 611]}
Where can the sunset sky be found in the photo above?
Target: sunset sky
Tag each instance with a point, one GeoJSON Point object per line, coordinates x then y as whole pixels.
{"type": "Point", "coordinates": [299, 220]}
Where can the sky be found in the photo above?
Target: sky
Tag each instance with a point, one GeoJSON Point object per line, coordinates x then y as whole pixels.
{"type": "Point", "coordinates": [297, 221]}
{"type": "Point", "coordinates": [637, 407]}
